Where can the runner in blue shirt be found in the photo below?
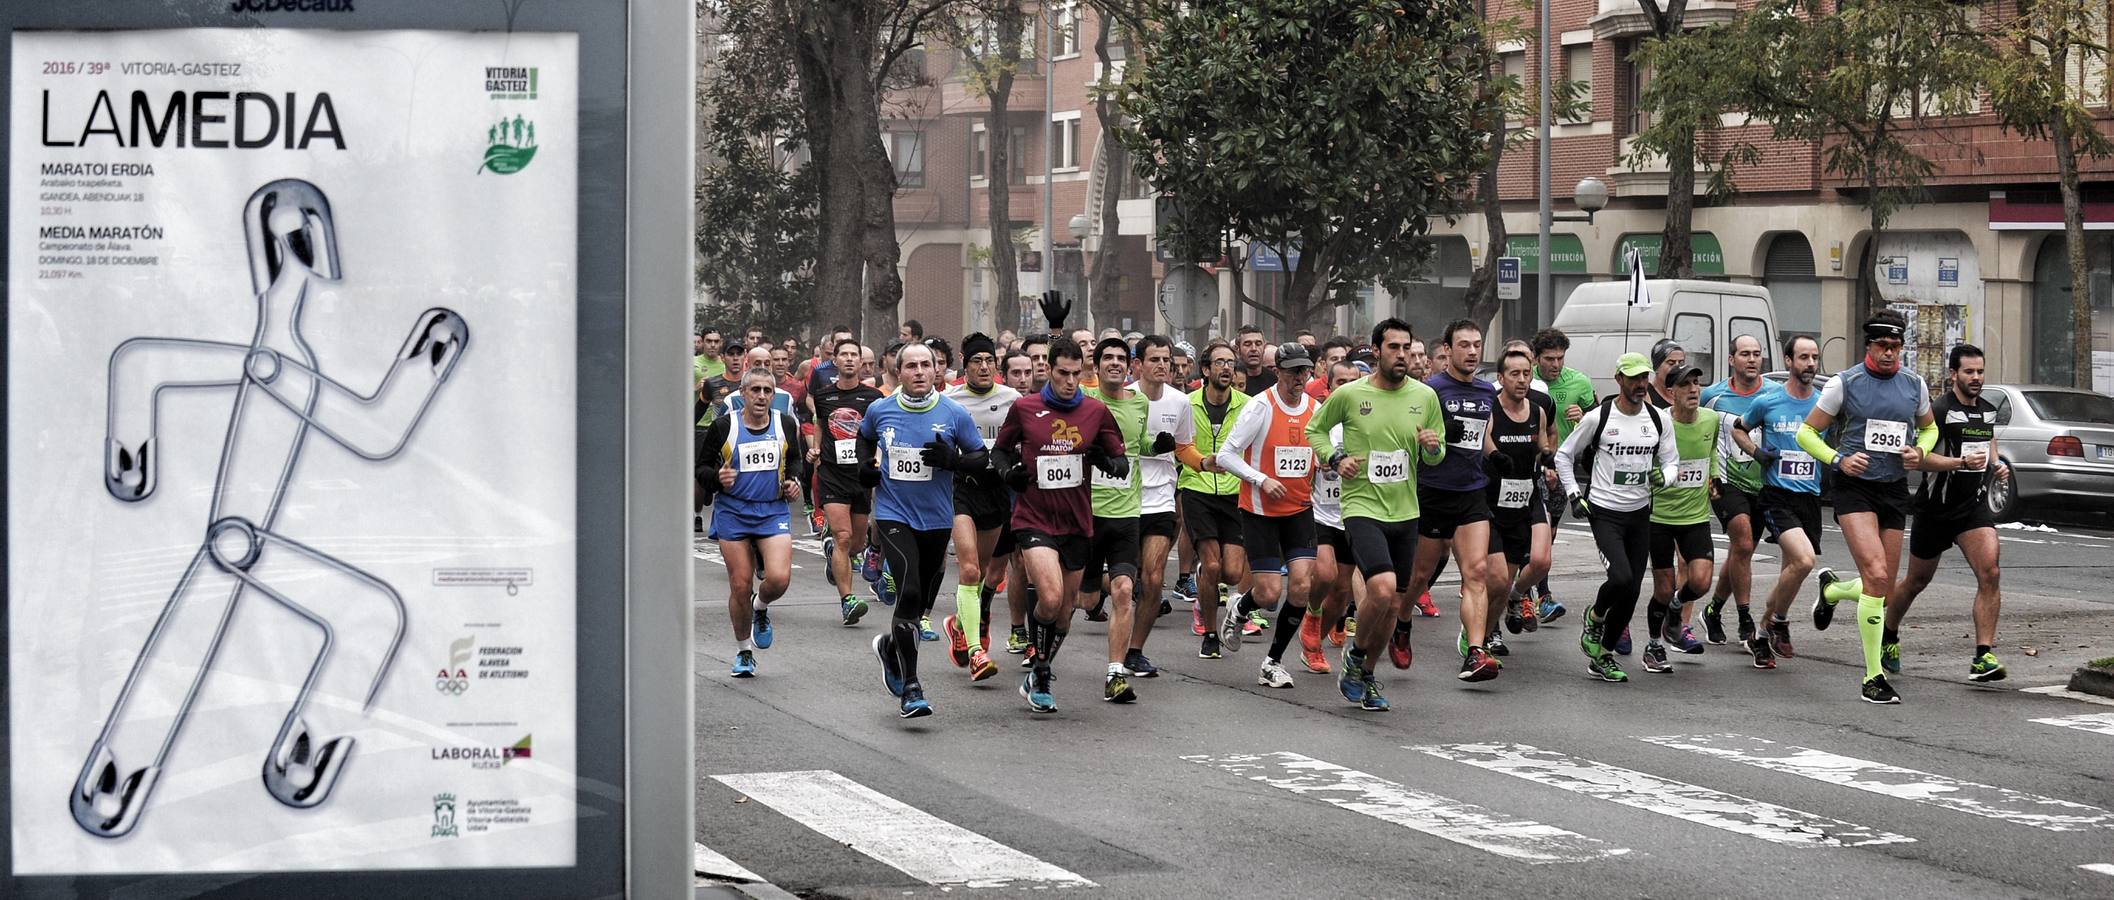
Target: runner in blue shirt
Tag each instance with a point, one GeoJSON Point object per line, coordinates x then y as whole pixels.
{"type": "Point", "coordinates": [753, 461]}
{"type": "Point", "coordinates": [1736, 496]}
{"type": "Point", "coordinates": [1451, 498]}
{"type": "Point", "coordinates": [910, 443]}
{"type": "Point", "coordinates": [1790, 497]}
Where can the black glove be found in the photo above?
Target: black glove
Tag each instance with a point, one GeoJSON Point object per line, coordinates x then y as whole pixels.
{"type": "Point", "coordinates": [939, 454]}
{"type": "Point", "coordinates": [1545, 461]}
{"type": "Point", "coordinates": [1055, 308]}
{"type": "Point", "coordinates": [870, 476]}
{"type": "Point", "coordinates": [1162, 444]}
{"type": "Point", "coordinates": [1453, 430]}
{"type": "Point", "coordinates": [1007, 466]}
{"type": "Point", "coordinates": [1112, 466]}
{"type": "Point", "coordinates": [1765, 454]}
{"type": "Point", "coordinates": [1498, 465]}
{"type": "Point", "coordinates": [1579, 509]}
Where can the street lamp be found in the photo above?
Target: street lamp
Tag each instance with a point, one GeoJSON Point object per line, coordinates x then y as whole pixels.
{"type": "Point", "coordinates": [1591, 195]}
{"type": "Point", "coordinates": [1079, 225]}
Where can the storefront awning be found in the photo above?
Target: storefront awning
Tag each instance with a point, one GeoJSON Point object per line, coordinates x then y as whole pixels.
{"type": "Point", "coordinates": [1704, 254]}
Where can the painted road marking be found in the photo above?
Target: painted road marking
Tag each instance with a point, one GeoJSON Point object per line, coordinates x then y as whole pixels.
{"type": "Point", "coordinates": [1987, 801]}
{"type": "Point", "coordinates": [707, 861]}
{"type": "Point", "coordinates": [1440, 817]}
{"type": "Point", "coordinates": [909, 839]}
{"type": "Point", "coordinates": [2097, 723]}
{"type": "Point", "coordinates": [2101, 868]}
{"type": "Point", "coordinates": [1651, 793]}
{"type": "Point", "coordinates": [2064, 691]}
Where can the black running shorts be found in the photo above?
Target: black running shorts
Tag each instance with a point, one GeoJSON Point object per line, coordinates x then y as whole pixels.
{"type": "Point", "coordinates": [1937, 531]}
{"type": "Point", "coordinates": [841, 487]}
{"type": "Point", "coordinates": [1888, 499]}
{"type": "Point", "coordinates": [1442, 511]}
{"type": "Point", "coordinates": [1382, 546]}
{"type": "Point", "coordinates": [1113, 549]}
{"type": "Point", "coordinates": [1211, 517]}
{"type": "Point", "coordinates": [1692, 541]}
{"type": "Point", "coordinates": [1071, 548]}
{"type": "Point", "coordinates": [1273, 541]}
{"type": "Point", "coordinates": [987, 507]}
{"type": "Point", "coordinates": [1784, 511]}
{"type": "Point", "coordinates": [1732, 503]}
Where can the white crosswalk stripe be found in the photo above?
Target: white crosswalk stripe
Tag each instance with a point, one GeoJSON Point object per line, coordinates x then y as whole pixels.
{"type": "Point", "coordinates": [1440, 817]}
{"type": "Point", "coordinates": [1651, 793]}
{"type": "Point", "coordinates": [1987, 801]}
{"type": "Point", "coordinates": [909, 839]}
{"type": "Point", "coordinates": [2101, 868]}
{"type": "Point", "coordinates": [2097, 723]}
{"type": "Point", "coordinates": [707, 861]}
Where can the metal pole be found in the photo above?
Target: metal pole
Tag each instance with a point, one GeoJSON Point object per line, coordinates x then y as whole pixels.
{"type": "Point", "coordinates": [1049, 145]}
{"type": "Point", "coordinates": [1544, 281]}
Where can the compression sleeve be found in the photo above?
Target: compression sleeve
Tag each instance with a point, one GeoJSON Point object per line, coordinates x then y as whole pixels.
{"type": "Point", "coordinates": [1811, 442]}
{"type": "Point", "coordinates": [1927, 437]}
{"type": "Point", "coordinates": [1189, 456]}
{"type": "Point", "coordinates": [1246, 430]}
{"type": "Point", "coordinates": [1318, 425]}
{"type": "Point", "coordinates": [1567, 453]}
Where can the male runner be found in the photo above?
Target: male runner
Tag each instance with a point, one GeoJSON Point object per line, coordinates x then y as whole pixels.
{"type": "Point", "coordinates": [752, 460]}
{"type": "Point", "coordinates": [909, 446]}
{"type": "Point", "coordinates": [1668, 357]}
{"type": "Point", "coordinates": [982, 542]}
{"type": "Point", "coordinates": [1392, 426]}
{"type": "Point", "coordinates": [1112, 555]}
{"type": "Point", "coordinates": [1877, 401]}
{"type": "Point", "coordinates": [1167, 413]}
{"type": "Point", "coordinates": [1455, 513]}
{"type": "Point", "coordinates": [1044, 448]}
{"type": "Point", "coordinates": [1269, 452]}
{"type": "Point", "coordinates": [1951, 510]}
{"type": "Point", "coordinates": [1255, 369]}
{"type": "Point", "coordinates": [1020, 376]}
{"type": "Point", "coordinates": [838, 407]}
{"type": "Point", "coordinates": [1571, 391]}
{"type": "Point", "coordinates": [1790, 497]}
{"type": "Point", "coordinates": [1736, 496]}
{"type": "Point", "coordinates": [1037, 347]}
{"type": "Point", "coordinates": [1523, 441]}
{"type": "Point", "coordinates": [1681, 520]}
{"type": "Point", "coordinates": [1629, 444]}
{"type": "Point", "coordinates": [1333, 567]}
{"type": "Point", "coordinates": [1209, 511]}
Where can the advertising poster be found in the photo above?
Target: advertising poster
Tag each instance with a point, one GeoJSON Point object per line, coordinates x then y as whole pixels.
{"type": "Point", "coordinates": [291, 450]}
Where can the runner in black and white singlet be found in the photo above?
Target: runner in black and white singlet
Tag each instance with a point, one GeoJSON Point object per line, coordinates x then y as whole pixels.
{"type": "Point", "coordinates": [982, 540]}
{"type": "Point", "coordinates": [1522, 439]}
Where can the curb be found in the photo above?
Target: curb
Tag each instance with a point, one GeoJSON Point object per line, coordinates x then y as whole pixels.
{"type": "Point", "coordinates": [2088, 680]}
{"type": "Point", "coordinates": [748, 890]}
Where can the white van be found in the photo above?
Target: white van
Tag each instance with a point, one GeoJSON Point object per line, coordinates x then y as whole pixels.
{"type": "Point", "coordinates": [1702, 316]}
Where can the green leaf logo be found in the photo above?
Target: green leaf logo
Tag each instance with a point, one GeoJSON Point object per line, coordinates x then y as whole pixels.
{"type": "Point", "coordinates": [510, 145]}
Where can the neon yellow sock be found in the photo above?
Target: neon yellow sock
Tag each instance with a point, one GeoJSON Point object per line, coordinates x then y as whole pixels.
{"type": "Point", "coordinates": [1847, 589]}
{"type": "Point", "coordinates": [968, 612]}
{"type": "Point", "coordinates": [1871, 628]}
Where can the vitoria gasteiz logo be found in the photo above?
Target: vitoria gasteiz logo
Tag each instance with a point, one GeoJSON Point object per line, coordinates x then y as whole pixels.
{"type": "Point", "coordinates": [510, 143]}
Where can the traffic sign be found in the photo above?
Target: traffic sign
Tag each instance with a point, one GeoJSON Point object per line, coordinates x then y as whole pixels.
{"type": "Point", "coordinates": [1188, 297]}
{"type": "Point", "coordinates": [1508, 278]}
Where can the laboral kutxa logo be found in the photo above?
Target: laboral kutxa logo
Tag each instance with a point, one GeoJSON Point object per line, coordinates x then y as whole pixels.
{"type": "Point", "coordinates": [510, 143]}
{"type": "Point", "coordinates": [486, 756]}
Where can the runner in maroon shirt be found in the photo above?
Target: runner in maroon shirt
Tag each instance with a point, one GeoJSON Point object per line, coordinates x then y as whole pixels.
{"type": "Point", "coordinates": [1048, 441]}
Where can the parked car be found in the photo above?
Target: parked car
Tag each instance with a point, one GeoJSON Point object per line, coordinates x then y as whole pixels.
{"type": "Point", "coordinates": [2059, 442]}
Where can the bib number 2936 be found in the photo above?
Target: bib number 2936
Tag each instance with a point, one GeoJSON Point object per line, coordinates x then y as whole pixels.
{"type": "Point", "coordinates": [1883, 436]}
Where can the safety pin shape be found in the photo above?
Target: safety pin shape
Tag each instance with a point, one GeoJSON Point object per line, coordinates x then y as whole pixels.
{"type": "Point", "coordinates": [292, 242]}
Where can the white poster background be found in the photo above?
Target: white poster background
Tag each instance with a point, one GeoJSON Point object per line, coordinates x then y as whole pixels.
{"type": "Point", "coordinates": [486, 482]}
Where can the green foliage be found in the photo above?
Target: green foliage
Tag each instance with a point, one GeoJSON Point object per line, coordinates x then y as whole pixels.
{"type": "Point", "coordinates": [757, 222]}
{"type": "Point", "coordinates": [2028, 88]}
{"type": "Point", "coordinates": [1696, 77]}
{"type": "Point", "coordinates": [1336, 126]}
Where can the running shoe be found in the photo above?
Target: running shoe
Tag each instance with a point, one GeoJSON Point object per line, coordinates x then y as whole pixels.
{"type": "Point", "coordinates": [1479, 665]}
{"type": "Point", "coordinates": [1017, 641]}
{"type": "Point", "coordinates": [1764, 658]}
{"type": "Point", "coordinates": [1340, 633]}
{"type": "Point", "coordinates": [1350, 627]}
{"type": "Point", "coordinates": [1037, 695]}
{"type": "Point", "coordinates": [1986, 668]}
{"type": "Point", "coordinates": [1185, 587]}
{"type": "Point", "coordinates": [885, 650]}
{"type": "Point", "coordinates": [1877, 690]}
{"type": "Point", "coordinates": [957, 642]}
{"type": "Point", "coordinates": [925, 632]}
{"type": "Point", "coordinates": [1780, 639]}
{"type": "Point", "coordinates": [760, 627]}
{"type": "Point", "coordinates": [1460, 643]}
{"type": "Point", "coordinates": [1622, 642]}
{"type": "Point", "coordinates": [884, 588]}
{"type": "Point", "coordinates": [870, 565]}
{"type": "Point", "coordinates": [914, 705]}
{"type": "Point", "coordinates": [1273, 675]}
{"type": "Point", "coordinates": [1352, 682]}
{"type": "Point", "coordinates": [852, 609]}
{"type": "Point", "coordinates": [1256, 624]}
{"type": "Point", "coordinates": [829, 552]}
{"type": "Point", "coordinates": [1605, 668]}
{"type": "Point", "coordinates": [1310, 633]}
{"type": "Point", "coordinates": [1529, 615]}
{"type": "Point", "coordinates": [1714, 620]}
{"type": "Point", "coordinates": [1166, 608]}
{"type": "Point", "coordinates": [1426, 608]}
{"type": "Point", "coordinates": [744, 664]}
{"type": "Point", "coordinates": [1551, 610]}
{"type": "Point", "coordinates": [1824, 608]}
{"type": "Point", "coordinates": [1196, 620]}
{"type": "Point", "coordinates": [980, 665]}
{"type": "Point", "coordinates": [1135, 663]}
{"type": "Point", "coordinates": [1654, 658]}
{"type": "Point", "coordinates": [1496, 645]}
{"type": "Point", "coordinates": [815, 522]}
{"type": "Point", "coordinates": [1589, 637]}
{"type": "Point", "coordinates": [1099, 611]}
{"type": "Point", "coordinates": [1685, 641]}
{"type": "Point", "coordinates": [1116, 689]}
{"type": "Point", "coordinates": [1209, 649]}
{"type": "Point", "coordinates": [1398, 650]}
{"type": "Point", "coordinates": [1890, 657]}
{"type": "Point", "coordinates": [1315, 661]}
{"type": "Point", "coordinates": [1373, 702]}
{"type": "Point", "coordinates": [1229, 630]}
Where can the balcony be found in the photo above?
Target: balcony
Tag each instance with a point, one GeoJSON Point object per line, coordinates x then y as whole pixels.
{"type": "Point", "coordinates": [1647, 177]}
{"type": "Point", "coordinates": [1617, 19]}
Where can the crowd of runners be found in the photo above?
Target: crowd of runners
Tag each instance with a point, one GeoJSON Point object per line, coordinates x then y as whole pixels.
{"type": "Point", "coordinates": [1328, 484]}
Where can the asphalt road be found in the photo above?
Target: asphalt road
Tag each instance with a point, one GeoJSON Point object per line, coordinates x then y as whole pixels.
{"type": "Point", "coordinates": [1717, 780]}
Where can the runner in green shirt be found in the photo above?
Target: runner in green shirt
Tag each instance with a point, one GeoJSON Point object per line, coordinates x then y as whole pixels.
{"type": "Point", "coordinates": [1392, 425]}
{"type": "Point", "coordinates": [1681, 520]}
{"type": "Point", "coordinates": [1116, 504]}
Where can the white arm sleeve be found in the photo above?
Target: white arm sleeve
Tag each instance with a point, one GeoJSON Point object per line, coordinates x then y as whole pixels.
{"type": "Point", "coordinates": [1567, 453]}
{"type": "Point", "coordinates": [1669, 450]}
{"type": "Point", "coordinates": [1246, 429]}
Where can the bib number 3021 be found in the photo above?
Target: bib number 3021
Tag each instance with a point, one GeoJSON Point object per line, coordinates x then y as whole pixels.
{"type": "Point", "coordinates": [1387, 467]}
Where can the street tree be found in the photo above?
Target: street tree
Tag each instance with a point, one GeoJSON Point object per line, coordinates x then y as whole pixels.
{"type": "Point", "coordinates": [1118, 21]}
{"type": "Point", "coordinates": [987, 35]}
{"type": "Point", "coordinates": [1687, 95]}
{"type": "Point", "coordinates": [756, 210]}
{"type": "Point", "coordinates": [2041, 56]}
{"type": "Point", "coordinates": [1334, 129]}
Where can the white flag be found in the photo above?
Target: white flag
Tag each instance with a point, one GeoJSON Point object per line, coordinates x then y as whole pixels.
{"type": "Point", "coordinates": [1639, 297]}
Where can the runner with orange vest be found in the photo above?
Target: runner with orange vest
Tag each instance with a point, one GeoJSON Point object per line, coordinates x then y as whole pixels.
{"type": "Point", "coordinates": [1269, 452]}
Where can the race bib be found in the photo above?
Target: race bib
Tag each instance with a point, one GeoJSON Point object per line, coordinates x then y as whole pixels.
{"type": "Point", "coordinates": [1970, 448]}
{"type": "Point", "coordinates": [847, 451]}
{"type": "Point", "coordinates": [1513, 493]}
{"type": "Point", "coordinates": [1105, 480]}
{"type": "Point", "coordinates": [1065, 471]}
{"type": "Point", "coordinates": [907, 464]}
{"type": "Point", "coordinates": [1387, 466]}
{"type": "Point", "coordinates": [1734, 453]}
{"type": "Point", "coordinates": [1329, 489]}
{"type": "Point", "coordinates": [1885, 436]}
{"type": "Point", "coordinates": [1693, 473]}
{"type": "Point", "coordinates": [1632, 469]}
{"type": "Point", "coordinates": [1472, 434]}
{"type": "Point", "coordinates": [1294, 462]}
{"type": "Point", "coordinates": [1796, 465]}
{"type": "Point", "coordinates": [759, 456]}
